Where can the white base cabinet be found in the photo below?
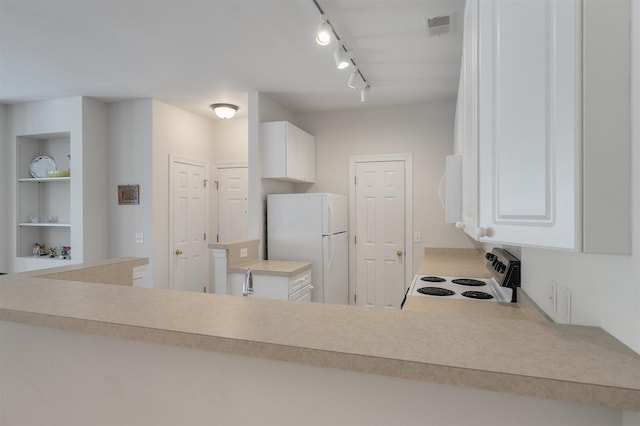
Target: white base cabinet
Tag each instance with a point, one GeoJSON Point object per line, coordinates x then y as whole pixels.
{"type": "Point", "coordinates": [536, 170]}
{"type": "Point", "coordinates": [295, 288]}
{"type": "Point", "coordinates": [288, 153]}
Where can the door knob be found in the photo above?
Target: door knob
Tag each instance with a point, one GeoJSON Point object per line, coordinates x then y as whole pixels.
{"type": "Point", "coordinates": [399, 252]}
{"type": "Point", "coordinates": [178, 252]}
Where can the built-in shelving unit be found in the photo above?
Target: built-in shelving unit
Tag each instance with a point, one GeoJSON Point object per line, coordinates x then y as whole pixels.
{"type": "Point", "coordinates": [44, 204]}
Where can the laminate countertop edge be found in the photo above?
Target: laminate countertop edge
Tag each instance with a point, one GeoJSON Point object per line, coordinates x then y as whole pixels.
{"type": "Point", "coordinates": [436, 348]}
{"type": "Point", "coordinates": [488, 380]}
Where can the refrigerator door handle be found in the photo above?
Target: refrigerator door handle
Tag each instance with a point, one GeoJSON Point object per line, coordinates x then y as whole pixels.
{"type": "Point", "coordinates": [330, 230]}
{"type": "Point", "coordinates": [330, 249]}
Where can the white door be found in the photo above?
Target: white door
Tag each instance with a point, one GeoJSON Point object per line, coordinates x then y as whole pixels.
{"type": "Point", "coordinates": [232, 204]}
{"type": "Point", "coordinates": [188, 257]}
{"type": "Point", "coordinates": [380, 233]}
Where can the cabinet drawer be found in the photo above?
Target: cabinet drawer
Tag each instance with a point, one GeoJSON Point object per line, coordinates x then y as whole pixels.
{"type": "Point", "coordinates": [302, 295]}
{"type": "Point", "coordinates": [299, 281]}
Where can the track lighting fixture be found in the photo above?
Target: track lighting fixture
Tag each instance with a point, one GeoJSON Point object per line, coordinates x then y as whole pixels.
{"type": "Point", "coordinates": [342, 57]}
{"type": "Point", "coordinates": [323, 36]}
{"type": "Point", "coordinates": [224, 110]}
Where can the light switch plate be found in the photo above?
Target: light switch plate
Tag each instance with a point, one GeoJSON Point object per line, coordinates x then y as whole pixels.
{"type": "Point", "coordinates": [417, 237]}
{"type": "Point", "coordinates": [139, 237]}
{"type": "Point", "coordinates": [243, 252]}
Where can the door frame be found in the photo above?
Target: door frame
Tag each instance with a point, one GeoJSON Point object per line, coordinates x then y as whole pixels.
{"type": "Point", "coordinates": [173, 159]}
{"type": "Point", "coordinates": [408, 213]}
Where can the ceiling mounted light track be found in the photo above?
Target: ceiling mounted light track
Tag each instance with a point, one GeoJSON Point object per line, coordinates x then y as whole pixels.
{"type": "Point", "coordinates": [224, 110]}
{"type": "Point", "coordinates": [342, 56]}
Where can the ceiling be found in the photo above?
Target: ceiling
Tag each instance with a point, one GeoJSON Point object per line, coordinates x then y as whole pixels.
{"type": "Point", "coordinates": [191, 53]}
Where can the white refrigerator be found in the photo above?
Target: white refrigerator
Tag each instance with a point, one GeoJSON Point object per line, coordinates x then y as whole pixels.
{"type": "Point", "coordinates": [312, 227]}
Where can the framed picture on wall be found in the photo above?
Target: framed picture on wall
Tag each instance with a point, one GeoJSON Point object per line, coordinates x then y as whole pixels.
{"type": "Point", "coordinates": [128, 194]}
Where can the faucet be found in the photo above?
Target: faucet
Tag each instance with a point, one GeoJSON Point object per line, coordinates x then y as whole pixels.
{"type": "Point", "coordinates": [247, 285]}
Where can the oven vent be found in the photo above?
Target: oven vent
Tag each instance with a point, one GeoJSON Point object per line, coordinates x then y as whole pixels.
{"type": "Point", "coordinates": [437, 25]}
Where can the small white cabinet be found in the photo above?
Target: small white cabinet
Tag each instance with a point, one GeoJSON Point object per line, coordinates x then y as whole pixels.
{"type": "Point", "coordinates": [526, 124]}
{"type": "Point", "coordinates": [282, 287]}
{"type": "Point", "coordinates": [288, 153]}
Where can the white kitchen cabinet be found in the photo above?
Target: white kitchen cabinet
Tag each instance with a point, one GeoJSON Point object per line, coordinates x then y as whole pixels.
{"type": "Point", "coordinates": [288, 153]}
{"type": "Point", "coordinates": [282, 287]}
{"type": "Point", "coordinates": [525, 124]}
{"type": "Point", "coordinates": [466, 120]}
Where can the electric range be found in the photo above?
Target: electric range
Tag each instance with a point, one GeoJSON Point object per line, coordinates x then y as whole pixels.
{"type": "Point", "coordinates": [501, 287]}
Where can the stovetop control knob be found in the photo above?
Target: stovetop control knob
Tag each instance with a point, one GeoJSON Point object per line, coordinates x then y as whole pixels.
{"type": "Point", "coordinates": [502, 267]}
{"type": "Point", "coordinates": [490, 256]}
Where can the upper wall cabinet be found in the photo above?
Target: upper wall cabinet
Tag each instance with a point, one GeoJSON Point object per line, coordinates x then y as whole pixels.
{"type": "Point", "coordinates": [546, 164]}
{"type": "Point", "coordinates": [288, 153]}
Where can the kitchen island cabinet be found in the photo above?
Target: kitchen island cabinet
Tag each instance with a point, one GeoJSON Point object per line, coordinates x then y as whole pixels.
{"type": "Point", "coordinates": [574, 364]}
{"type": "Point", "coordinates": [274, 279]}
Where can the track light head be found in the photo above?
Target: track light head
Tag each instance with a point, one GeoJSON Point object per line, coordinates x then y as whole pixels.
{"type": "Point", "coordinates": [324, 33]}
{"type": "Point", "coordinates": [342, 58]}
{"type": "Point", "coordinates": [354, 79]}
{"type": "Point", "coordinates": [364, 94]}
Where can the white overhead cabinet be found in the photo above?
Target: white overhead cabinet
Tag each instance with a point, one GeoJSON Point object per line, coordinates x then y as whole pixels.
{"type": "Point", "coordinates": [531, 140]}
{"type": "Point", "coordinates": [288, 153]}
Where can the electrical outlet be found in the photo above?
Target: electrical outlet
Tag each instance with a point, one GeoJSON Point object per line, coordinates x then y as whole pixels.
{"type": "Point", "coordinates": [417, 237]}
{"type": "Point", "coordinates": [552, 297]}
{"type": "Point", "coordinates": [243, 252]}
{"type": "Point", "coordinates": [564, 297]}
{"type": "Point", "coordinates": [139, 237]}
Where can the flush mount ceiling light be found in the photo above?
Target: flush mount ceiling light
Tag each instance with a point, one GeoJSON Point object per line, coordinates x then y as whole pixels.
{"type": "Point", "coordinates": [323, 35]}
{"type": "Point", "coordinates": [224, 110]}
{"type": "Point", "coordinates": [342, 56]}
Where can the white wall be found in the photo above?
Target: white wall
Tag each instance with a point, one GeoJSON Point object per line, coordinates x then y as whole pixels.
{"type": "Point", "coordinates": [182, 134]}
{"type": "Point", "coordinates": [605, 289]}
{"type": "Point", "coordinates": [130, 163]}
{"type": "Point", "coordinates": [5, 175]}
{"type": "Point", "coordinates": [142, 134]}
{"type": "Point", "coordinates": [262, 109]}
{"type": "Point", "coordinates": [424, 130]}
{"type": "Point", "coordinates": [94, 179]}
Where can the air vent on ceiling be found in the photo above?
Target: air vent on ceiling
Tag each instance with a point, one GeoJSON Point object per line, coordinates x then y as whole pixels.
{"type": "Point", "coordinates": [437, 25]}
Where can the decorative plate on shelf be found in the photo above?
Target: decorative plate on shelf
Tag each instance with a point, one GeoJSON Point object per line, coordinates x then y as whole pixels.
{"type": "Point", "coordinates": [41, 165]}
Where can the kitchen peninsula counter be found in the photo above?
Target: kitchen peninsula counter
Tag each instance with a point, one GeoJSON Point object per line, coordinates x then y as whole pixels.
{"type": "Point", "coordinates": [563, 362]}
